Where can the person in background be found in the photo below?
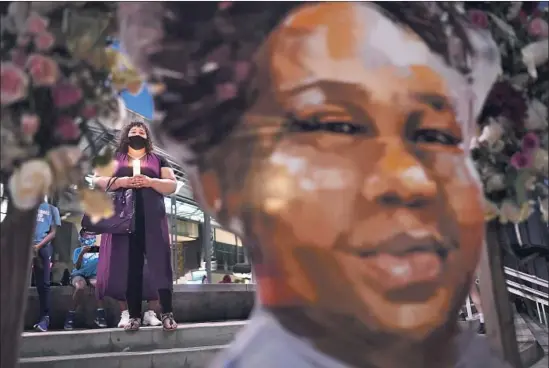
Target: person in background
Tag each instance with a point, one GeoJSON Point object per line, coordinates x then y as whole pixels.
{"type": "Point", "coordinates": [85, 259]}
{"type": "Point", "coordinates": [226, 280]}
{"type": "Point", "coordinates": [129, 256]}
{"type": "Point", "coordinates": [47, 221]}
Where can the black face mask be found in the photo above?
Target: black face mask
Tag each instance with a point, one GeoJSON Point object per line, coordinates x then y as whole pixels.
{"type": "Point", "coordinates": [137, 142]}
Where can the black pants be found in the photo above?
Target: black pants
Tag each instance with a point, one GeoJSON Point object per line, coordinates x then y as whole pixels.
{"type": "Point", "coordinates": [42, 271]}
{"type": "Point", "coordinates": [136, 260]}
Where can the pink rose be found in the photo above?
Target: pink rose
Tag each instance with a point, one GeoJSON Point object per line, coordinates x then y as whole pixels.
{"type": "Point", "coordinates": [30, 124]}
{"type": "Point", "coordinates": [44, 41]}
{"type": "Point", "coordinates": [67, 128]}
{"type": "Point", "coordinates": [530, 142]}
{"type": "Point", "coordinates": [538, 28]}
{"type": "Point", "coordinates": [521, 160]}
{"type": "Point", "coordinates": [36, 24]}
{"type": "Point", "coordinates": [478, 18]}
{"type": "Point", "coordinates": [13, 83]}
{"type": "Point", "coordinates": [43, 70]}
{"type": "Point", "coordinates": [66, 94]}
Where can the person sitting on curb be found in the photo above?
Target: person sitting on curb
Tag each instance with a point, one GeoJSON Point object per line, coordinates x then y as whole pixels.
{"type": "Point", "coordinates": [85, 261]}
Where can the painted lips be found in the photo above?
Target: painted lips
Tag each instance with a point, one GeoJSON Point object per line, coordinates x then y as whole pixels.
{"type": "Point", "coordinates": [404, 268]}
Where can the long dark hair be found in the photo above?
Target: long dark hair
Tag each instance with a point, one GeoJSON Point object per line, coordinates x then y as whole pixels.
{"type": "Point", "coordinates": [125, 141]}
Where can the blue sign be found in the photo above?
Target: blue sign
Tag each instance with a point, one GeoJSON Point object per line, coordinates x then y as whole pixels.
{"type": "Point", "coordinates": [143, 103]}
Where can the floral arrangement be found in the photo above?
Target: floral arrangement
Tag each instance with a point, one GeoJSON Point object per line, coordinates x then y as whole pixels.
{"type": "Point", "coordinates": [510, 151]}
{"type": "Point", "coordinates": [59, 81]}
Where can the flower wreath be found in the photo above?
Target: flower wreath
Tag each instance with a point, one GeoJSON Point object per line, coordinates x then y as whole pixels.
{"type": "Point", "coordinates": [510, 151]}
{"type": "Point", "coordinates": [59, 83]}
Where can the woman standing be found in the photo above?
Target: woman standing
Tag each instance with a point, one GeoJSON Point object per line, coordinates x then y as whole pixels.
{"type": "Point", "coordinates": [149, 244]}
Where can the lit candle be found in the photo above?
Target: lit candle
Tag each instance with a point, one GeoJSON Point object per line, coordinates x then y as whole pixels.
{"type": "Point", "coordinates": [136, 167]}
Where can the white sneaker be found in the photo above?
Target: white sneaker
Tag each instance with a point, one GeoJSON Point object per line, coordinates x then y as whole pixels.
{"type": "Point", "coordinates": [124, 319]}
{"type": "Point", "coordinates": [150, 319]}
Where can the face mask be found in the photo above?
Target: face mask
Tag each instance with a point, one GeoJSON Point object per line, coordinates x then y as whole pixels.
{"type": "Point", "coordinates": [137, 142]}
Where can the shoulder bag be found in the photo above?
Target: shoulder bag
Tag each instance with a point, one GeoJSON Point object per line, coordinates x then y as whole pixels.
{"type": "Point", "coordinates": [123, 220]}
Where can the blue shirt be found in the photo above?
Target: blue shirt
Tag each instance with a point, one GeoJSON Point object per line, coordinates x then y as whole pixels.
{"type": "Point", "coordinates": [46, 217]}
{"type": "Point", "coordinates": [88, 268]}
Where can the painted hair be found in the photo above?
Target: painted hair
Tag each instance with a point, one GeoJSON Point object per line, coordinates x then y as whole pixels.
{"type": "Point", "coordinates": [202, 54]}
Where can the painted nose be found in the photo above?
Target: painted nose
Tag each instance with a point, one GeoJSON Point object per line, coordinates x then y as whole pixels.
{"type": "Point", "coordinates": [399, 180]}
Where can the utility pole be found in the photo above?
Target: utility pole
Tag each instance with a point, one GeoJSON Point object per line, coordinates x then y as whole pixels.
{"type": "Point", "coordinates": [207, 245]}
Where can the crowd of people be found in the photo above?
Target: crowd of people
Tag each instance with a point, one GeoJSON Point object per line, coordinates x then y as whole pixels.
{"type": "Point", "coordinates": [128, 268]}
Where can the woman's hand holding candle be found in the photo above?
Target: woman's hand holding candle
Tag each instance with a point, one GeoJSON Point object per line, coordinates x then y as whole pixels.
{"type": "Point", "coordinates": [142, 181]}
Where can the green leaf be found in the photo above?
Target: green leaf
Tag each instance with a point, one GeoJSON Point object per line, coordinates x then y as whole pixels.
{"type": "Point", "coordinates": [520, 186]}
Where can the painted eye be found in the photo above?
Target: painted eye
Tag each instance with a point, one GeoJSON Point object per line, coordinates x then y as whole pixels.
{"type": "Point", "coordinates": [435, 136]}
{"type": "Point", "coordinates": [314, 125]}
{"type": "Point", "coordinates": [345, 128]}
{"type": "Point", "coordinates": [304, 126]}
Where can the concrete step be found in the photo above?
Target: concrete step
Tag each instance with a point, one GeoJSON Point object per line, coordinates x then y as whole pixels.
{"type": "Point", "coordinates": [115, 340]}
{"type": "Point", "coordinates": [197, 357]}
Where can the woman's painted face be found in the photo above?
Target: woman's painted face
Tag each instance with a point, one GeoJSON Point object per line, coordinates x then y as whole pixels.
{"type": "Point", "coordinates": [364, 204]}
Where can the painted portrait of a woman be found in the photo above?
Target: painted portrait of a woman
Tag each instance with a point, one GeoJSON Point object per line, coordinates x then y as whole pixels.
{"type": "Point", "coordinates": [333, 139]}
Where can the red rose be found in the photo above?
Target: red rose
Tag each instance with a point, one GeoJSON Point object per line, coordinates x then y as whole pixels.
{"type": "Point", "coordinates": [13, 83]}
{"type": "Point", "coordinates": [538, 28]}
{"type": "Point", "coordinates": [66, 94]}
{"type": "Point", "coordinates": [478, 18]}
{"type": "Point", "coordinates": [521, 160]}
{"type": "Point", "coordinates": [89, 112]}
{"type": "Point", "coordinates": [67, 128]}
{"type": "Point", "coordinates": [530, 142]}
{"type": "Point", "coordinates": [43, 70]}
{"type": "Point", "coordinates": [36, 24]}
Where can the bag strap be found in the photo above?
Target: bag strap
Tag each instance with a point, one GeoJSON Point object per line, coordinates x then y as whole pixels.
{"type": "Point", "coordinates": [110, 183]}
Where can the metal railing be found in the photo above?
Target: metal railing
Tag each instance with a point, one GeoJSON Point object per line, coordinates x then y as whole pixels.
{"type": "Point", "coordinates": [517, 288]}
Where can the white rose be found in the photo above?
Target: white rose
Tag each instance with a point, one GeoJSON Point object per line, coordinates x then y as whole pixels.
{"type": "Point", "coordinates": [541, 161]}
{"type": "Point", "coordinates": [536, 116]}
{"type": "Point", "coordinates": [495, 182]}
{"type": "Point", "coordinates": [492, 132]}
{"type": "Point", "coordinates": [535, 54]}
{"type": "Point", "coordinates": [63, 161]}
{"type": "Point", "coordinates": [29, 183]}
